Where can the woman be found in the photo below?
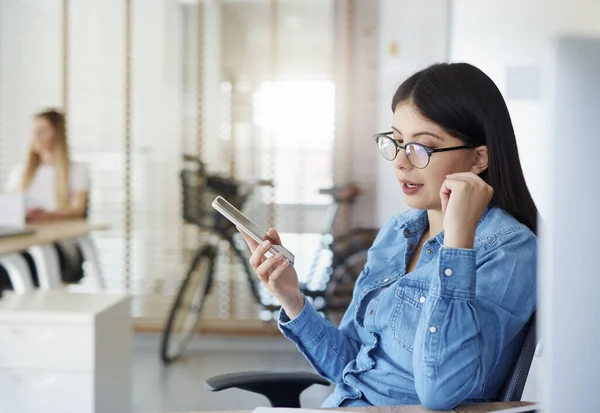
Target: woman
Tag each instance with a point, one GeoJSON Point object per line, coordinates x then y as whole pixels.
{"type": "Point", "coordinates": [437, 315]}
{"type": "Point", "coordinates": [54, 187]}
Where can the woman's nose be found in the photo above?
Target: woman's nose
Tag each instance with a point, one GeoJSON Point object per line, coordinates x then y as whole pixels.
{"type": "Point", "coordinates": [401, 161]}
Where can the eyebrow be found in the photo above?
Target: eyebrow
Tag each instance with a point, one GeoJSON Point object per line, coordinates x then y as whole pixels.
{"type": "Point", "coordinates": [420, 134]}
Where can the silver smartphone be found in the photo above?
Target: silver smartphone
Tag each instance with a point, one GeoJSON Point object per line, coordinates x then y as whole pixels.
{"type": "Point", "coordinates": [254, 231]}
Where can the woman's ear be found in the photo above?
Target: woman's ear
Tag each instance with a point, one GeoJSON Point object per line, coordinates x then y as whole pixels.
{"type": "Point", "coordinates": [481, 160]}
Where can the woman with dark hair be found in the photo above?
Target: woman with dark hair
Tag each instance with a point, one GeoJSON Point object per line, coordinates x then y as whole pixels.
{"type": "Point", "coordinates": [438, 313]}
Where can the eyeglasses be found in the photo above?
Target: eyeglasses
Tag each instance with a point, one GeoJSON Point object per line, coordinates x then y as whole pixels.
{"type": "Point", "coordinates": [418, 155]}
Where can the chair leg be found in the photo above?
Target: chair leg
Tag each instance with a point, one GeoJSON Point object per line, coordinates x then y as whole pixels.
{"type": "Point", "coordinates": [284, 400]}
{"type": "Point", "coordinates": [18, 272]}
{"type": "Point", "coordinates": [283, 395]}
{"type": "Point", "coordinates": [47, 266]}
{"type": "Point", "coordinates": [90, 258]}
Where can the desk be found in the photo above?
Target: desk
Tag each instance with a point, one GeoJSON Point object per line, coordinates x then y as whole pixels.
{"type": "Point", "coordinates": [477, 408]}
{"type": "Point", "coordinates": [39, 245]}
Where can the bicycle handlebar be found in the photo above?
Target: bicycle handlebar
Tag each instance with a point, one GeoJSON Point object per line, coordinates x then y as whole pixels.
{"type": "Point", "coordinates": [260, 182]}
{"type": "Point", "coordinates": [191, 158]}
{"type": "Point", "coordinates": [343, 194]}
{"type": "Point", "coordinates": [340, 194]}
{"type": "Point", "coordinates": [263, 182]}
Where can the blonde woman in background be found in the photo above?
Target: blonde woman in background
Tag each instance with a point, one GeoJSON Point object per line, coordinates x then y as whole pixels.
{"type": "Point", "coordinates": [54, 187]}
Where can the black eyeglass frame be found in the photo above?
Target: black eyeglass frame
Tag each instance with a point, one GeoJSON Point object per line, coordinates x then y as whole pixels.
{"type": "Point", "coordinates": [430, 151]}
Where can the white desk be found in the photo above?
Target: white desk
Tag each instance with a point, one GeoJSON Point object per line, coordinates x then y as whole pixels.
{"type": "Point", "coordinates": [65, 352]}
{"type": "Point", "coordinates": [40, 246]}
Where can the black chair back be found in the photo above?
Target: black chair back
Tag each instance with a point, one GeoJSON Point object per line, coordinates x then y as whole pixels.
{"type": "Point", "coordinates": [515, 382]}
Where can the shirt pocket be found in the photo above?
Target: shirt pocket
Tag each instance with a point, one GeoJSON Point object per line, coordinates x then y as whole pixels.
{"type": "Point", "coordinates": [410, 297]}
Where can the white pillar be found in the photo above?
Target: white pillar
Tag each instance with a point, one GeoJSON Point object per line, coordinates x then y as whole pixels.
{"type": "Point", "coordinates": [569, 277]}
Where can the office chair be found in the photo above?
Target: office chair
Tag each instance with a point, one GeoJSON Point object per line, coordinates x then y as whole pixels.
{"type": "Point", "coordinates": [283, 389]}
{"type": "Point", "coordinates": [512, 390]}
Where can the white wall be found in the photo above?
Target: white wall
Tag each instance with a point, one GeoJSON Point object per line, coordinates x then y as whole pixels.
{"type": "Point", "coordinates": [419, 29]}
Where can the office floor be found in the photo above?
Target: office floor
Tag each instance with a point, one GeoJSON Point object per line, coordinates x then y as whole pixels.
{"type": "Point", "coordinates": [180, 386]}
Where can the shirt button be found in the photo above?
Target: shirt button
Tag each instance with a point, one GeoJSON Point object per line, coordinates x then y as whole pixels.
{"type": "Point", "coordinates": [371, 312]}
{"type": "Point", "coordinates": [407, 232]}
{"type": "Point", "coordinates": [422, 300]}
{"type": "Point", "coordinates": [432, 329]}
{"type": "Point", "coordinates": [386, 280]}
{"type": "Point", "coordinates": [429, 251]}
{"type": "Point", "coordinates": [448, 272]}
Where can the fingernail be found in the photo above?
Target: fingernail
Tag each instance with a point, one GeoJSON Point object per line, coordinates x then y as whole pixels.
{"type": "Point", "coordinates": [279, 256]}
{"type": "Point", "coordinates": [266, 244]}
{"type": "Point", "coordinates": [285, 263]}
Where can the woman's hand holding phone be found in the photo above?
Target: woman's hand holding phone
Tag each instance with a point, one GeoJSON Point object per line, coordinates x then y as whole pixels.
{"type": "Point", "coordinates": [276, 274]}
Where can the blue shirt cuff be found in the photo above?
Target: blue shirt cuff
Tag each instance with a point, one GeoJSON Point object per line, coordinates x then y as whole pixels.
{"type": "Point", "coordinates": [307, 327]}
{"type": "Point", "coordinates": [456, 276]}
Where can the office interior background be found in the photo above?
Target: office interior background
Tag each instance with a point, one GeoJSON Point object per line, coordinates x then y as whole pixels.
{"type": "Point", "coordinates": [289, 91]}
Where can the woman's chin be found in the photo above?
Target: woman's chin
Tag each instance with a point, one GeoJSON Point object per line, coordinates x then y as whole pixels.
{"type": "Point", "coordinates": [414, 202]}
{"type": "Point", "coordinates": [420, 203]}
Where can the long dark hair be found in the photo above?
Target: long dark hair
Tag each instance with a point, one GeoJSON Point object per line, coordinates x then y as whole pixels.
{"type": "Point", "coordinates": [467, 104]}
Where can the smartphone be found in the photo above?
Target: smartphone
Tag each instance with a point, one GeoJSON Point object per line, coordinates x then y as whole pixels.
{"type": "Point", "coordinates": [241, 221]}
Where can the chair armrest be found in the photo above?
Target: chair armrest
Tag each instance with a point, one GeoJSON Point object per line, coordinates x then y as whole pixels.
{"type": "Point", "coordinates": [283, 389]}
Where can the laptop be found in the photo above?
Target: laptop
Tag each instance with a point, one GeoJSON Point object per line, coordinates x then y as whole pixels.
{"type": "Point", "coordinates": [8, 232]}
{"type": "Point", "coordinates": [12, 216]}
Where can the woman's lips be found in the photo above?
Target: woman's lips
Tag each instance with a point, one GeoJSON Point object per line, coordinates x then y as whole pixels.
{"type": "Point", "coordinates": [410, 188]}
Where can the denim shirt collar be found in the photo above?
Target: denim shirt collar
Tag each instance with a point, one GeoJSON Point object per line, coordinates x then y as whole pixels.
{"type": "Point", "coordinates": [415, 221]}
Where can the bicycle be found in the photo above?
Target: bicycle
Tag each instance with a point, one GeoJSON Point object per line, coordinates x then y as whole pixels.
{"type": "Point", "coordinates": [348, 252]}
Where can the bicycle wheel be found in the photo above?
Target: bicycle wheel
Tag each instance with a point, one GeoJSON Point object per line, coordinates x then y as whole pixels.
{"type": "Point", "coordinates": [185, 312]}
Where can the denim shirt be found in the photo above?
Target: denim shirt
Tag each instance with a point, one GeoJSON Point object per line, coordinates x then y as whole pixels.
{"type": "Point", "coordinates": [444, 334]}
